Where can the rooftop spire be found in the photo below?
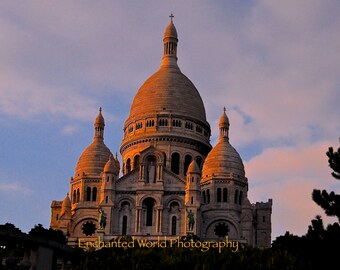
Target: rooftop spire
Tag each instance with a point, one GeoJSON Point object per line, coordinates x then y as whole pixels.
{"type": "Point", "coordinates": [224, 125]}
{"type": "Point", "coordinates": [99, 125]}
{"type": "Point", "coordinates": [170, 44]}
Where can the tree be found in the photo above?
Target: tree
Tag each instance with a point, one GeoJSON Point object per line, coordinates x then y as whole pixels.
{"type": "Point", "coordinates": [334, 162]}
{"type": "Point", "coordinates": [50, 234]}
{"type": "Point", "coordinates": [330, 202]}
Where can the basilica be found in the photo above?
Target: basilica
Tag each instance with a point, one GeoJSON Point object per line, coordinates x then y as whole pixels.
{"type": "Point", "coordinates": [170, 182]}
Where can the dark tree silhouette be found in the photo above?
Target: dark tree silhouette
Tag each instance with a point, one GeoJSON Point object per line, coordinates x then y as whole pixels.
{"type": "Point", "coordinates": [330, 202]}
{"type": "Point", "coordinates": [50, 234]}
{"type": "Point", "coordinates": [334, 162]}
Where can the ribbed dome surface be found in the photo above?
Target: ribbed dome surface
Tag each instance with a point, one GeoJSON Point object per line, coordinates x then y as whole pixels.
{"type": "Point", "coordinates": [170, 31]}
{"type": "Point", "coordinates": [222, 160]}
{"type": "Point", "coordinates": [93, 159]}
{"type": "Point", "coordinates": [168, 90]}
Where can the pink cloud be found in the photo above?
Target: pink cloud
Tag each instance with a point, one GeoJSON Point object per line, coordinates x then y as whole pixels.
{"type": "Point", "coordinates": [289, 175]}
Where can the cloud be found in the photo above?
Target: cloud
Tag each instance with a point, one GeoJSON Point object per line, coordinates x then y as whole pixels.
{"type": "Point", "coordinates": [15, 187]}
{"type": "Point", "coordinates": [69, 130]}
{"type": "Point", "coordinates": [289, 175]}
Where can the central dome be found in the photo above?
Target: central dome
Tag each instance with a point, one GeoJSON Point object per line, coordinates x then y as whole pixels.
{"type": "Point", "coordinates": [168, 90]}
{"type": "Point", "coordinates": [167, 108]}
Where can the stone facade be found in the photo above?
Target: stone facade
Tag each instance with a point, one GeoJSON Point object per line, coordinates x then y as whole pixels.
{"type": "Point", "coordinates": [169, 172]}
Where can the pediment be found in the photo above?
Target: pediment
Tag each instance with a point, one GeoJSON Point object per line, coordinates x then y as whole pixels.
{"type": "Point", "coordinates": [172, 179]}
{"type": "Point", "coordinates": [129, 178]}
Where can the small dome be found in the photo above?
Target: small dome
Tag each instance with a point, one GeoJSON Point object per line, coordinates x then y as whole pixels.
{"type": "Point", "coordinates": [222, 161]}
{"type": "Point", "coordinates": [95, 156]}
{"type": "Point", "coordinates": [93, 159]}
{"type": "Point", "coordinates": [99, 119]}
{"type": "Point", "coordinates": [111, 166]}
{"type": "Point", "coordinates": [170, 31]}
{"type": "Point", "coordinates": [66, 206]}
{"type": "Point", "coordinates": [194, 168]}
{"type": "Point", "coordinates": [66, 202]}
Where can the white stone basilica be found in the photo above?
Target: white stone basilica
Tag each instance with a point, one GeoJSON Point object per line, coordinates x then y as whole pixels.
{"type": "Point", "coordinates": [169, 172]}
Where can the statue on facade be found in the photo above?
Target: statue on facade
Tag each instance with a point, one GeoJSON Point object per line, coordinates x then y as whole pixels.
{"type": "Point", "coordinates": [191, 220]}
{"type": "Point", "coordinates": [151, 177]}
{"type": "Point", "coordinates": [102, 219]}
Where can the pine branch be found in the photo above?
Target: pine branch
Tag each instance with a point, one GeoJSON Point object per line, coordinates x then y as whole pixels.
{"type": "Point", "coordinates": [334, 162]}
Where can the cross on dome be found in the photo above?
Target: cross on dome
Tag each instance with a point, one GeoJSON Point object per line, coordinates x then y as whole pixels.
{"type": "Point", "coordinates": [171, 16]}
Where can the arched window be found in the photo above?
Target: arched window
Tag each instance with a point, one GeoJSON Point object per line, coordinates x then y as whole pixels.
{"type": "Point", "coordinates": [124, 227]}
{"type": "Point", "coordinates": [78, 195]}
{"type": "Point", "coordinates": [236, 197]}
{"type": "Point", "coordinates": [225, 195]}
{"type": "Point", "coordinates": [94, 194]}
{"type": "Point", "coordinates": [106, 199]}
{"type": "Point", "coordinates": [128, 165]}
{"type": "Point", "coordinates": [88, 194]}
{"type": "Point", "coordinates": [173, 225]}
{"type": "Point", "coordinates": [57, 217]}
{"type": "Point", "coordinates": [136, 162]}
{"type": "Point", "coordinates": [203, 194]}
{"type": "Point", "coordinates": [192, 200]}
{"type": "Point", "coordinates": [74, 197]}
{"type": "Point", "coordinates": [219, 194]}
{"type": "Point", "coordinates": [208, 196]}
{"type": "Point", "coordinates": [240, 198]}
{"type": "Point", "coordinates": [175, 163]}
{"type": "Point", "coordinates": [149, 205]}
{"type": "Point", "coordinates": [187, 161]}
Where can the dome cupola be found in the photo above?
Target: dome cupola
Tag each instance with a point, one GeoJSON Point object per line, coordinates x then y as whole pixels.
{"type": "Point", "coordinates": [223, 160]}
{"type": "Point", "coordinates": [95, 156]}
{"type": "Point", "coordinates": [167, 106]}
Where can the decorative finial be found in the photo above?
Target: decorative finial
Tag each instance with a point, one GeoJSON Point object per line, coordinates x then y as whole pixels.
{"type": "Point", "coordinates": [67, 194]}
{"type": "Point", "coordinates": [100, 109]}
{"type": "Point", "coordinates": [224, 109]}
{"type": "Point", "coordinates": [171, 16]}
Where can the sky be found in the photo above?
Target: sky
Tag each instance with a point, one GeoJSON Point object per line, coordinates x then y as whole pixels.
{"type": "Point", "coordinates": [273, 64]}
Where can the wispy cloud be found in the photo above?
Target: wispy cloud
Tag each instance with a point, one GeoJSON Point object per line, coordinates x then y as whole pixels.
{"type": "Point", "coordinates": [16, 187]}
{"type": "Point", "coordinates": [289, 175]}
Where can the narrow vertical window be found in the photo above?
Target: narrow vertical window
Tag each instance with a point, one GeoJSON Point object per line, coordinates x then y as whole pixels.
{"type": "Point", "coordinates": [236, 197]}
{"type": "Point", "coordinates": [128, 165]}
{"type": "Point", "coordinates": [78, 196]}
{"type": "Point", "coordinates": [175, 163]}
{"type": "Point", "coordinates": [240, 198]}
{"type": "Point", "coordinates": [124, 227]}
{"type": "Point", "coordinates": [88, 194]}
{"type": "Point", "coordinates": [173, 225]}
{"type": "Point", "coordinates": [94, 194]}
{"type": "Point", "coordinates": [225, 195]}
{"type": "Point", "coordinates": [74, 197]}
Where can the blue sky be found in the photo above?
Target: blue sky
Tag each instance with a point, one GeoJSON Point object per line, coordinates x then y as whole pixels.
{"type": "Point", "coordinates": [273, 64]}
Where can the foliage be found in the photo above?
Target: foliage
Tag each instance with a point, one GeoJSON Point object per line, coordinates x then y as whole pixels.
{"type": "Point", "coordinates": [50, 234]}
{"type": "Point", "coordinates": [330, 202]}
{"type": "Point", "coordinates": [334, 162]}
